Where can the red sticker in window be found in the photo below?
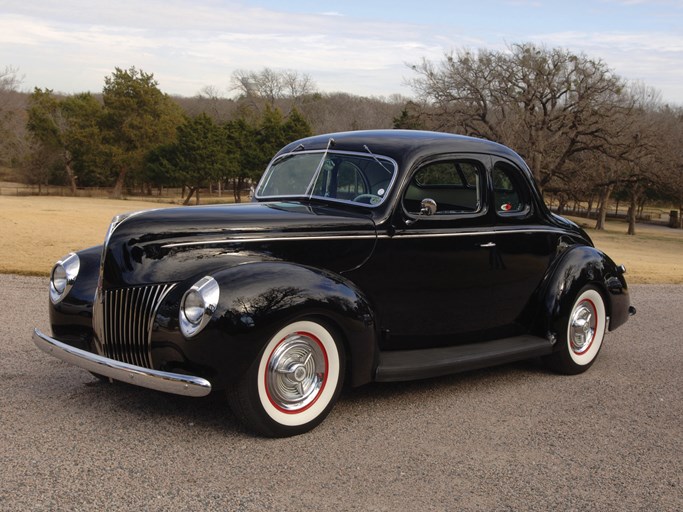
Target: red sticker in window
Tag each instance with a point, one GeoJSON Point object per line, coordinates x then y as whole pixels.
{"type": "Point", "coordinates": [506, 207]}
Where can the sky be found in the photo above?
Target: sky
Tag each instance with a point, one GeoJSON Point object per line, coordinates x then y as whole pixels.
{"type": "Point", "coordinates": [353, 46]}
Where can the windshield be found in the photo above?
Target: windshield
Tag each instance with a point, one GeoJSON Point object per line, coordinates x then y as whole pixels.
{"type": "Point", "coordinates": [349, 177]}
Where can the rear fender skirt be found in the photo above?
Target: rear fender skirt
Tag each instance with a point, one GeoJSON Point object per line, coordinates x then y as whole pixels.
{"type": "Point", "coordinates": [256, 299]}
{"type": "Point", "coordinates": [575, 268]}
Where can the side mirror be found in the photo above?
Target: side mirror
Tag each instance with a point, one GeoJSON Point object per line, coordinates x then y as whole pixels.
{"type": "Point", "coordinates": [427, 207]}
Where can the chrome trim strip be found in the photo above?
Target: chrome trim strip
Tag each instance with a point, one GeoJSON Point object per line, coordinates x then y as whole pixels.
{"type": "Point", "coordinates": [474, 233]}
{"type": "Point", "coordinates": [167, 382]}
{"type": "Point", "coordinates": [359, 237]}
{"type": "Point", "coordinates": [269, 239]}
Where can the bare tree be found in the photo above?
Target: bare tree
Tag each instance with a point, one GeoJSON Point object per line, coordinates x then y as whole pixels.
{"type": "Point", "coordinates": [550, 105]}
{"type": "Point", "coordinates": [268, 87]}
{"type": "Point", "coordinates": [670, 157]}
{"type": "Point", "coordinates": [12, 117]}
{"type": "Point", "coordinates": [210, 101]}
{"type": "Point", "coordinates": [642, 140]}
{"type": "Point", "coordinates": [331, 112]}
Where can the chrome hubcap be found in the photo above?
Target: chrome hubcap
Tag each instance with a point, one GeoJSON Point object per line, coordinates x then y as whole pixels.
{"type": "Point", "coordinates": [296, 374]}
{"type": "Point", "coordinates": [582, 327]}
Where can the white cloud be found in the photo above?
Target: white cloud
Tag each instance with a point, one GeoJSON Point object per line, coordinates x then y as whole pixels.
{"type": "Point", "coordinates": [208, 42]}
{"type": "Point", "coordinates": [651, 57]}
{"type": "Point", "coordinates": [71, 45]}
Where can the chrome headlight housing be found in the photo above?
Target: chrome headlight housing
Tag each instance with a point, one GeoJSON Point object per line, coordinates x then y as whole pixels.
{"type": "Point", "coordinates": [63, 277]}
{"type": "Point", "coordinates": [198, 305]}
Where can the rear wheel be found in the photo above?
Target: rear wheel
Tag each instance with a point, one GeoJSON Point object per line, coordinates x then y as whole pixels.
{"type": "Point", "coordinates": [582, 335]}
{"type": "Point", "coordinates": [293, 384]}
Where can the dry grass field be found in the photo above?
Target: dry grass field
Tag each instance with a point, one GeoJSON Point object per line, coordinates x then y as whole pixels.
{"type": "Point", "coordinates": [37, 231]}
{"type": "Point", "coordinates": [653, 256]}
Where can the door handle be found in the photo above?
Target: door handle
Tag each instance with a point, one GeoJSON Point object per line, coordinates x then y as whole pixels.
{"type": "Point", "coordinates": [488, 245]}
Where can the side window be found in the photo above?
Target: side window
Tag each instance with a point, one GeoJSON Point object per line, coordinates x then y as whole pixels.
{"type": "Point", "coordinates": [509, 190]}
{"type": "Point", "coordinates": [455, 185]}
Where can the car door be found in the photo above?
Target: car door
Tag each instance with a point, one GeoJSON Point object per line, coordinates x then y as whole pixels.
{"type": "Point", "coordinates": [429, 279]}
{"type": "Point", "coordinates": [524, 247]}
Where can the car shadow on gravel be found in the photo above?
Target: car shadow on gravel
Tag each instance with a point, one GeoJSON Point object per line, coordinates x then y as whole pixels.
{"type": "Point", "coordinates": [457, 382]}
{"type": "Point", "coordinates": [97, 398]}
{"type": "Point", "coordinates": [213, 410]}
{"type": "Point", "coordinates": [146, 405]}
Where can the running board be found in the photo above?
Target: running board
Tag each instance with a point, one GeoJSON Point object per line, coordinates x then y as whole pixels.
{"type": "Point", "coordinates": [397, 365]}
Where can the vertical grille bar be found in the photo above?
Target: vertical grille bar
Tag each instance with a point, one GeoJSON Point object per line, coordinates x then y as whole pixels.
{"type": "Point", "coordinates": [134, 340]}
{"type": "Point", "coordinates": [127, 319]}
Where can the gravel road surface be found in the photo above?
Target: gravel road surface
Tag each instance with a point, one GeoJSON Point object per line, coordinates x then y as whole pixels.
{"type": "Point", "coordinates": [510, 438]}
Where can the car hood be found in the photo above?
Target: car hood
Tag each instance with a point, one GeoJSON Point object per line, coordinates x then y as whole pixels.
{"type": "Point", "coordinates": [172, 244]}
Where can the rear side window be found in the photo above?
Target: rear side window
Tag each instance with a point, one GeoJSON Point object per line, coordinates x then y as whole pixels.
{"type": "Point", "coordinates": [455, 185]}
{"type": "Point", "coordinates": [510, 194]}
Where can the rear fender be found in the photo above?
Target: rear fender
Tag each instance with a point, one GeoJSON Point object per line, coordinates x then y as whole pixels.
{"type": "Point", "coordinates": [577, 267]}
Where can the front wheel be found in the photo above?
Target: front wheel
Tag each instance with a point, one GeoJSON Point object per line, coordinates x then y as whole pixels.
{"type": "Point", "coordinates": [582, 334]}
{"type": "Point", "coordinates": [294, 382]}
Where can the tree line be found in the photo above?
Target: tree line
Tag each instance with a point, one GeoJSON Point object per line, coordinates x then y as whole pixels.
{"type": "Point", "coordinates": [588, 135]}
{"type": "Point", "coordinates": [132, 137]}
{"type": "Point", "coordinates": [137, 137]}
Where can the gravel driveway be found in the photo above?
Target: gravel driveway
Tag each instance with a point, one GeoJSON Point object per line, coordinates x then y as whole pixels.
{"type": "Point", "coordinates": [510, 438]}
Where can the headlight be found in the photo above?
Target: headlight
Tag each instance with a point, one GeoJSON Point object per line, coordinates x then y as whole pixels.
{"type": "Point", "coordinates": [63, 277]}
{"type": "Point", "coordinates": [197, 306]}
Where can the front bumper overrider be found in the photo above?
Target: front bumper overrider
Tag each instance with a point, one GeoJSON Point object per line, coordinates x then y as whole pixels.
{"type": "Point", "coordinates": [167, 382]}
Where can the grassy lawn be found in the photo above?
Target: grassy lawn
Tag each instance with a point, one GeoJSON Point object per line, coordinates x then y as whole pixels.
{"type": "Point", "coordinates": [653, 256]}
{"type": "Point", "coordinates": [37, 231]}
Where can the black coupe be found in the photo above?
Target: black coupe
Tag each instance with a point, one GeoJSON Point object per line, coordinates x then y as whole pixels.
{"type": "Point", "coordinates": [364, 256]}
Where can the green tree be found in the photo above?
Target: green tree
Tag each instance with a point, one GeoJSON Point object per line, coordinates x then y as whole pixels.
{"type": "Point", "coordinates": [49, 127]}
{"type": "Point", "coordinates": [83, 139]}
{"type": "Point", "coordinates": [246, 156]}
{"type": "Point", "coordinates": [66, 132]}
{"type": "Point", "coordinates": [254, 145]}
{"type": "Point", "coordinates": [137, 118]}
{"type": "Point", "coordinates": [197, 157]}
{"type": "Point", "coordinates": [201, 153]}
{"type": "Point", "coordinates": [295, 127]}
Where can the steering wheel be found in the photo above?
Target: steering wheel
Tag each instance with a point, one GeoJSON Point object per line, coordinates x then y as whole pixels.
{"type": "Point", "coordinates": [367, 199]}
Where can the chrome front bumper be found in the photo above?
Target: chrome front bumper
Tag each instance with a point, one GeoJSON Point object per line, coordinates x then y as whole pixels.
{"type": "Point", "coordinates": [176, 383]}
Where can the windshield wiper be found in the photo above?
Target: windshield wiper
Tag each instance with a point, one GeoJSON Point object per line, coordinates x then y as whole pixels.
{"type": "Point", "coordinates": [366, 148]}
{"type": "Point", "coordinates": [311, 185]}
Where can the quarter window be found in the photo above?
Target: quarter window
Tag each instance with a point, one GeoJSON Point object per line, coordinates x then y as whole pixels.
{"type": "Point", "coordinates": [509, 193]}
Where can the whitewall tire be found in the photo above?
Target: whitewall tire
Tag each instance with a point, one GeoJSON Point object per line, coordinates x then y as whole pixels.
{"type": "Point", "coordinates": [294, 383]}
{"type": "Point", "coordinates": [582, 334]}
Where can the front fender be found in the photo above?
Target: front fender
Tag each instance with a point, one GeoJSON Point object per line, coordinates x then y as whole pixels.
{"type": "Point", "coordinates": [577, 267]}
{"type": "Point", "coordinates": [71, 319]}
{"type": "Point", "coordinates": [258, 298]}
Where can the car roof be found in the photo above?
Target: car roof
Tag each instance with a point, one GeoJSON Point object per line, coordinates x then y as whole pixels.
{"type": "Point", "coordinates": [404, 146]}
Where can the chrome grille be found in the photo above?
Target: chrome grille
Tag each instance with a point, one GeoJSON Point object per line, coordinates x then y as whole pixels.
{"type": "Point", "coordinates": [124, 319]}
